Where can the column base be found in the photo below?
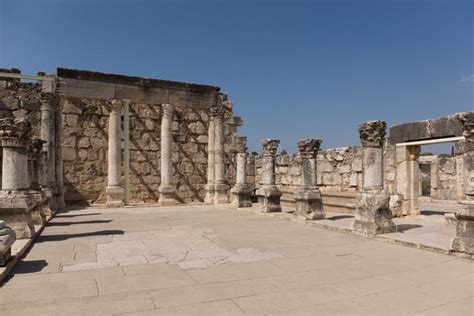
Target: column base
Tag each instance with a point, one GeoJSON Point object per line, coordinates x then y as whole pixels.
{"type": "Point", "coordinates": [372, 214]}
{"type": "Point", "coordinates": [309, 204]}
{"type": "Point", "coordinates": [464, 240]}
{"type": "Point", "coordinates": [15, 210]}
{"type": "Point", "coordinates": [7, 238]}
{"type": "Point", "coordinates": [269, 199]}
{"type": "Point", "coordinates": [210, 194]}
{"type": "Point", "coordinates": [51, 201]}
{"type": "Point", "coordinates": [221, 194]}
{"type": "Point", "coordinates": [167, 196]}
{"type": "Point", "coordinates": [38, 215]}
{"type": "Point", "coordinates": [410, 207]}
{"type": "Point", "coordinates": [115, 196]}
{"type": "Point", "coordinates": [60, 198]}
{"type": "Point", "coordinates": [241, 196]}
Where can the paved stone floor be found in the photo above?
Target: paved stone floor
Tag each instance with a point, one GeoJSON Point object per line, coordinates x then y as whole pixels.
{"type": "Point", "coordinates": [217, 261]}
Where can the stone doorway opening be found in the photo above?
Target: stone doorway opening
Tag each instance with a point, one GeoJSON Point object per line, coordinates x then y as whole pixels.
{"type": "Point", "coordinates": [427, 173]}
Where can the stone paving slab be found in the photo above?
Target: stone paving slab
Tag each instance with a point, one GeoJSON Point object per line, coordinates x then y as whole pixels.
{"type": "Point", "coordinates": [213, 260]}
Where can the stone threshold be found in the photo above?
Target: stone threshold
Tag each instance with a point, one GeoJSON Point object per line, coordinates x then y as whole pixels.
{"type": "Point", "coordinates": [344, 228]}
{"type": "Point", "coordinates": [19, 249]}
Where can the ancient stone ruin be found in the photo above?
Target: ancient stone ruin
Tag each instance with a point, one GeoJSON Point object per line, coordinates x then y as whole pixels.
{"type": "Point", "coordinates": [81, 138]}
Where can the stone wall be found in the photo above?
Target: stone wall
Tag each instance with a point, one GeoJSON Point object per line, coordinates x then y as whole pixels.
{"type": "Point", "coordinates": [84, 134]}
{"type": "Point", "coordinates": [443, 175]}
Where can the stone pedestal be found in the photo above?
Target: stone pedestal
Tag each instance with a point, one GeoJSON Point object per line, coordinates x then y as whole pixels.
{"type": "Point", "coordinates": [309, 205]}
{"type": "Point", "coordinates": [16, 203]}
{"type": "Point", "coordinates": [115, 192]}
{"type": "Point", "coordinates": [372, 215]}
{"type": "Point", "coordinates": [7, 238]}
{"type": "Point", "coordinates": [464, 240]}
{"type": "Point", "coordinates": [241, 193]}
{"type": "Point", "coordinates": [268, 193]}
{"type": "Point", "coordinates": [167, 191]}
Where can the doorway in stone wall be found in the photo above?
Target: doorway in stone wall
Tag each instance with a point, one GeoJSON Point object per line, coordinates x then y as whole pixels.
{"type": "Point", "coordinates": [429, 176]}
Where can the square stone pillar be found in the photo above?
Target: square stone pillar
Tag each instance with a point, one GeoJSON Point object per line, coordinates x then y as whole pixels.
{"type": "Point", "coordinates": [372, 215]}
{"type": "Point", "coordinates": [115, 191]}
{"type": "Point", "coordinates": [16, 202]}
{"type": "Point", "coordinates": [167, 191]}
{"type": "Point", "coordinates": [464, 240]}
{"type": "Point", "coordinates": [268, 193]}
{"type": "Point", "coordinates": [408, 173]}
{"type": "Point", "coordinates": [309, 204]}
{"type": "Point", "coordinates": [7, 238]}
{"type": "Point", "coordinates": [241, 193]}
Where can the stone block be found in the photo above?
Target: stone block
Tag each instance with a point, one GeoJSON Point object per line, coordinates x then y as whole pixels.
{"type": "Point", "coordinates": [372, 215]}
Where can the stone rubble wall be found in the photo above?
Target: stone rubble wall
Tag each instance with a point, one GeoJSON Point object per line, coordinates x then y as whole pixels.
{"type": "Point", "coordinates": [444, 178]}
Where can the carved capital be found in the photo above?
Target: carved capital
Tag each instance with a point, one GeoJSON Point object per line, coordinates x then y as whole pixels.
{"type": "Point", "coordinates": [49, 101]}
{"type": "Point", "coordinates": [241, 144]}
{"type": "Point", "coordinates": [35, 147]}
{"type": "Point", "coordinates": [467, 120]}
{"type": "Point", "coordinates": [372, 133]}
{"type": "Point", "coordinates": [168, 110]}
{"type": "Point", "coordinates": [270, 147]}
{"type": "Point", "coordinates": [309, 147]}
{"type": "Point", "coordinates": [116, 105]}
{"type": "Point", "coordinates": [215, 111]}
{"type": "Point", "coordinates": [14, 132]}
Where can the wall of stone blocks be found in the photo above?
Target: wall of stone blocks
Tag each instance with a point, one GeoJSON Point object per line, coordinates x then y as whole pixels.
{"type": "Point", "coordinates": [85, 150]}
{"type": "Point", "coordinates": [444, 177]}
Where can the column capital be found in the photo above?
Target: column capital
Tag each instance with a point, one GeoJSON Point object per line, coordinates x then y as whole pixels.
{"type": "Point", "coordinates": [34, 148]}
{"type": "Point", "coordinates": [215, 111]}
{"type": "Point", "coordinates": [270, 147]}
{"type": "Point", "coordinates": [372, 133]}
{"type": "Point", "coordinates": [15, 132]}
{"type": "Point", "coordinates": [309, 147]}
{"type": "Point", "coordinates": [115, 104]}
{"type": "Point", "coordinates": [241, 144]}
{"type": "Point", "coordinates": [168, 110]}
{"type": "Point", "coordinates": [48, 101]}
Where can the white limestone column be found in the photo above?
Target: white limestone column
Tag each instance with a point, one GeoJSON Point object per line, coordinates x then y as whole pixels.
{"type": "Point", "coordinates": [267, 192]}
{"type": "Point", "coordinates": [48, 103]}
{"type": "Point", "coordinates": [220, 187]}
{"type": "Point", "coordinates": [60, 189]}
{"type": "Point", "coordinates": [241, 168]}
{"type": "Point", "coordinates": [114, 190]}
{"type": "Point", "coordinates": [373, 215]}
{"type": "Point", "coordinates": [167, 191]}
{"type": "Point", "coordinates": [463, 243]}
{"type": "Point", "coordinates": [209, 199]}
{"type": "Point", "coordinates": [308, 199]}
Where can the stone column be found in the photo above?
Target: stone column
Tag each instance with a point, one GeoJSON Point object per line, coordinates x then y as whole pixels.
{"type": "Point", "coordinates": [167, 190]}
{"type": "Point", "coordinates": [372, 215]}
{"type": "Point", "coordinates": [268, 193]}
{"type": "Point", "coordinates": [241, 192]}
{"type": "Point", "coordinates": [309, 203]}
{"type": "Point", "coordinates": [16, 202]}
{"type": "Point", "coordinates": [48, 103]}
{"type": "Point", "coordinates": [464, 241]}
{"type": "Point", "coordinates": [221, 189]}
{"type": "Point", "coordinates": [60, 189]}
{"type": "Point", "coordinates": [40, 210]}
{"type": "Point", "coordinates": [115, 192]}
{"type": "Point", "coordinates": [210, 193]}
{"type": "Point", "coordinates": [408, 178]}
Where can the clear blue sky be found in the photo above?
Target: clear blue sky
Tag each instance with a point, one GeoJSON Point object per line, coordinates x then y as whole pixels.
{"type": "Point", "coordinates": [293, 68]}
